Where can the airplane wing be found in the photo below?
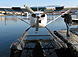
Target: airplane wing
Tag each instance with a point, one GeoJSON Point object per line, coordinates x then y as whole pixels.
{"type": "Point", "coordinates": [72, 8]}
{"type": "Point", "coordinates": [15, 9]}
{"type": "Point", "coordinates": [48, 8]}
{"type": "Point", "coordinates": [61, 9]}
{"type": "Point", "coordinates": [45, 9]}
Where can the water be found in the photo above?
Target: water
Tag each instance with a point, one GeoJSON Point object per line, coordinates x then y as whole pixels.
{"type": "Point", "coordinates": [11, 28]}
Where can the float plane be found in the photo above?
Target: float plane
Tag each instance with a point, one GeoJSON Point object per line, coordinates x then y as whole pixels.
{"type": "Point", "coordinates": [38, 16]}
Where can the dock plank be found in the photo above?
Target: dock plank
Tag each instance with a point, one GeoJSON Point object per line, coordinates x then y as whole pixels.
{"type": "Point", "coordinates": [73, 39]}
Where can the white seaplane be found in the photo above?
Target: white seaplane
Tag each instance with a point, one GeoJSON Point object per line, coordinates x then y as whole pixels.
{"type": "Point", "coordinates": [38, 16]}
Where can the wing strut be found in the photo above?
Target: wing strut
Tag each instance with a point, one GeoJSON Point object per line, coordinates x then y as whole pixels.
{"type": "Point", "coordinates": [17, 17]}
{"type": "Point", "coordinates": [58, 17]}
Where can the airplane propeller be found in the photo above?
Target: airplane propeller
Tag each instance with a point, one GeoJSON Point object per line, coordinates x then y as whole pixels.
{"type": "Point", "coordinates": [37, 21]}
{"type": "Point", "coordinates": [37, 24]}
{"type": "Point", "coordinates": [29, 9]}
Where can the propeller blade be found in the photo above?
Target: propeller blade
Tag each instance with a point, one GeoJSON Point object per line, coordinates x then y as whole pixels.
{"type": "Point", "coordinates": [29, 9]}
{"type": "Point", "coordinates": [37, 24]}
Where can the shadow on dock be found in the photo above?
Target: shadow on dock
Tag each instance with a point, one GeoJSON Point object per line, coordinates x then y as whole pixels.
{"type": "Point", "coordinates": [38, 51]}
{"type": "Point", "coordinates": [63, 52]}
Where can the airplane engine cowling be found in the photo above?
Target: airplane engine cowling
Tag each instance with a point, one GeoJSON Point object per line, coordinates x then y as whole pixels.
{"type": "Point", "coordinates": [42, 20]}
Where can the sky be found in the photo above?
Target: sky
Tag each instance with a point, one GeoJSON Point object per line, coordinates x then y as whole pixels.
{"type": "Point", "coordinates": [20, 3]}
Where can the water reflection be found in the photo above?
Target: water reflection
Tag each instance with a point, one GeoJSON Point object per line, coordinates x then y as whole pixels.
{"type": "Point", "coordinates": [8, 18]}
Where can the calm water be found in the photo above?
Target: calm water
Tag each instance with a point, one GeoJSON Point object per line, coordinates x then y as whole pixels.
{"type": "Point", "coordinates": [11, 28]}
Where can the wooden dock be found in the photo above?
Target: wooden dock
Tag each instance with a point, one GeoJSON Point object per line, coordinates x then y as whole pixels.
{"type": "Point", "coordinates": [43, 45]}
{"type": "Point", "coordinates": [72, 41]}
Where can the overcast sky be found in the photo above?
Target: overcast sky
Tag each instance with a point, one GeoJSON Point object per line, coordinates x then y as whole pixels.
{"type": "Point", "coordinates": [10, 3]}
